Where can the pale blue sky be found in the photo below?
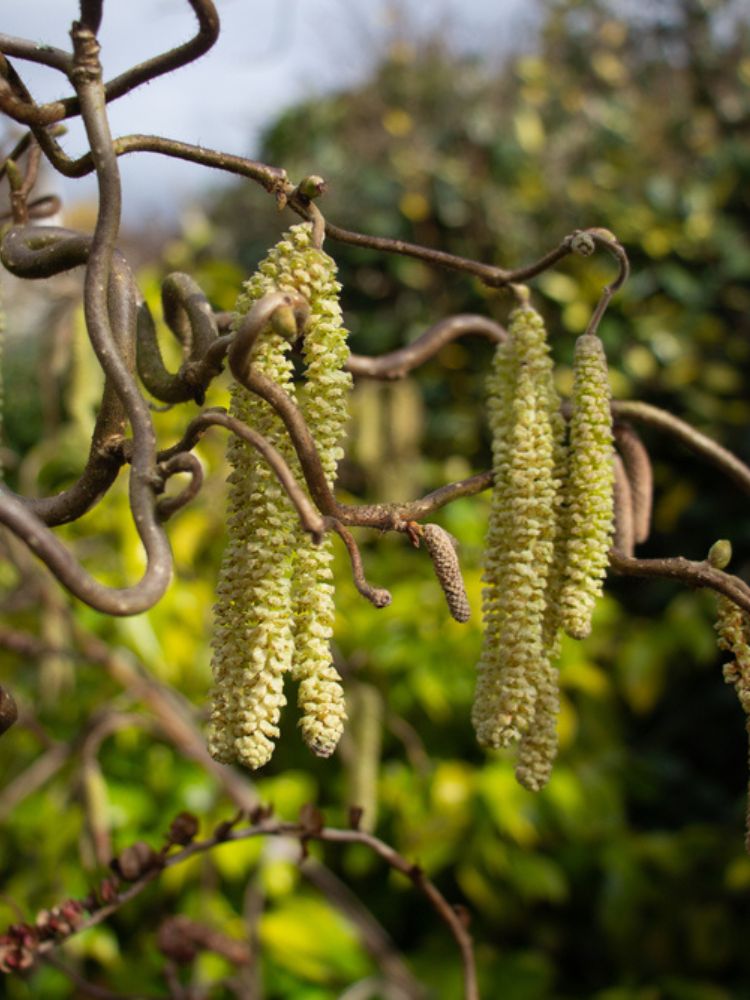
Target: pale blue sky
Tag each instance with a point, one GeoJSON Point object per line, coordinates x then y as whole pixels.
{"type": "Point", "coordinates": [269, 55]}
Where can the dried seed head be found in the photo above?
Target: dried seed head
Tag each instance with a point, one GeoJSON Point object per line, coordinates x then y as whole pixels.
{"type": "Point", "coordinates": [135, 861]}
{"type": "Point", "coordinates": [442, 548]}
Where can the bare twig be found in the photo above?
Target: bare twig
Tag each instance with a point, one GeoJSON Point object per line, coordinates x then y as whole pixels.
{"type": "Point", "coordinates": [310, 519]}
{"type": "Point", "coordinates": [375, 939]}
{"type": "Point", "coordinates": [33, 777]}
{"type": "Point", "coordinates": [662, 420]}
{"type": "Point", "coordinates": [691, 573]}
{"type": "Point", "coordinates": [453, 919]}
{"type": "Point", "coordinates": [399, 363]}
{"type": "Point", "coordinates": [378, 596]}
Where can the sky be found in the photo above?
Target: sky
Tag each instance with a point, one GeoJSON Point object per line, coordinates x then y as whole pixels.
{"type": "Point", "coordinates": [269, 56]}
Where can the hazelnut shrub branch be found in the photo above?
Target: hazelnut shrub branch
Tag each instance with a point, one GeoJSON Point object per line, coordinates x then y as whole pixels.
{"type": "Point", "coordinates": [123, 338]}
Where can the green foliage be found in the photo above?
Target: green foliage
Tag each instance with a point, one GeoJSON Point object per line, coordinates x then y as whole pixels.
{"type": "Point", "coordinates": [625, 879]}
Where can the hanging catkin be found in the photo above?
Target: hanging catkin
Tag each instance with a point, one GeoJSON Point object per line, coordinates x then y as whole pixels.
{"type": "Point", "coordinates": [733, 636]}
{"type": "Point", "coordinates": [589, 502]}
{"type": "Point", "coordinates": [538, 746]}
{"type": "Point", "coordinates": [323, 399]}
{"type": "Point", "coordinates": [275, 600]}
{"type": "Point", "coordinates": [252, 637]}
{"type": "Point", "coordinates": [514, 662]}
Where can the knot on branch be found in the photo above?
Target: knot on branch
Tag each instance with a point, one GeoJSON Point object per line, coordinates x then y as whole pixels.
{"type": "Point", "coordinates": [86, 65]}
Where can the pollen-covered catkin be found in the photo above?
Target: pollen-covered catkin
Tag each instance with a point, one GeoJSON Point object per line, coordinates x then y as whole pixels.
{"type": "Point", "coordinates": [323, 400]}
{"type": "Point", "coordinates": [733, 635]}
{"type": "Point", "coordinates": [589, 503]}
{"type": "Point", "coordinates": [252, 638]}
{"type": "Point", "coordinates": [522, 404]}
{"type": "Point", "coordinates": [275, 610]}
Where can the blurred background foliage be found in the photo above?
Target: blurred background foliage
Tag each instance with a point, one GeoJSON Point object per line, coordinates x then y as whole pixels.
{"type": "Point", "coordinates": [626, 878]}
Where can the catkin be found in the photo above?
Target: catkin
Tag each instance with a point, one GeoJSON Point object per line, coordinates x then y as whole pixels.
{"type": "Point", "coordinates": [442, 548]}
{"type": "Point", "coordinates": [589, 502]}
{"type": "Point", "coordinates": [514, 660]}
{"type": "Point", "coordinates": [323, 400]}
{"type": "Point", "coordinates": [274, 611]}
{"type": "Point", "coordinates": [733, 636]}
{"type": "Point", "coordinates": [252, 639]}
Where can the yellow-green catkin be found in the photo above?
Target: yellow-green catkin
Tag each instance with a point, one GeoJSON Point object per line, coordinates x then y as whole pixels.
{"type": "Point", "coordinates": [274, 610]}
{"type": "Point", "coordinates": [323, 400]}
{"type": "Point", "coordinates": [537, 748]}
{"type": "Point", "coordinates": [589, 493]}
{"type": "Point", "coordinates": [2, 383]}
{"type": "Point", "coordinates": [252, 638]}
{"type": "Point", "coordinates": [527, 433]}
{"type": "Point", "coordinates": [733, 636]}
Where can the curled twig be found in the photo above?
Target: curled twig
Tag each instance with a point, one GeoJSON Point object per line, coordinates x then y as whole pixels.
{"type": "Point", "coordinates": [399, 363]}
{"type": "Point", "coordinates": [184, 462]}
{"type": "Point", "coordinates": [376, 595]}
{"type": "Point", "coordinates": [309, 518]}
{"type": "Point", "coordinates": [189, 316]}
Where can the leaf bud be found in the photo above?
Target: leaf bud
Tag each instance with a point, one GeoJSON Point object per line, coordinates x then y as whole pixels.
{"type": "Point", "coordinates": [720, 554]}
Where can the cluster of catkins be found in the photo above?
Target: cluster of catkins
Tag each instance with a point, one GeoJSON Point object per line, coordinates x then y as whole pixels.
{"type": "Point", "coordinates": [274, 611]}
{"type": "Point", "coordinates": [551, 524]}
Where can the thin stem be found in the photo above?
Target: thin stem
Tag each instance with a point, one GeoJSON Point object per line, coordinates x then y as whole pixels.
{"type": "Point", "coordinates": [309, 518]}
{"type": "Point", "coordinates": [24, 110]}
{"type": "Point", "coordinates": [450, 916]}
{"type": "Point", "coordinates": [693, 574]}
{"type": "Point", "coordinates": [378, 596]}
{"type": "Point", "coordinates": [663, 420]}
{"type": "Point", "coordinates": [399, 363]}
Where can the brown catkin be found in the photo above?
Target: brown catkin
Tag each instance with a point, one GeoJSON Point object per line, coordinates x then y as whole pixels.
{"type": "Point", "coordinates": [640, 475]}
{"type": "Point", "coordinates": [624, 536]}
{"type": "Point", "coordinates": [442, 547]}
